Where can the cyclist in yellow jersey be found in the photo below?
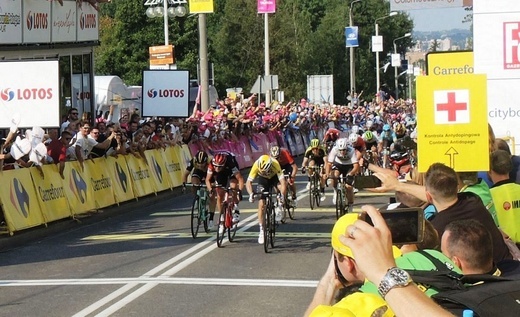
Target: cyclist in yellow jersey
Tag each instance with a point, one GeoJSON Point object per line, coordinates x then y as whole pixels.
{"type": "Point", "coordinates": [270, 175]}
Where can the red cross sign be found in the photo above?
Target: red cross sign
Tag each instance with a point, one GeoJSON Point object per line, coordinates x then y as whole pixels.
{"type": "Point", "coordinates": [451, 107]}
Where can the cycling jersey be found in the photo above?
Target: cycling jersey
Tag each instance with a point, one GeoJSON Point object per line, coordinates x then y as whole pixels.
{"type": "Point", "coordinates": [360, 144]}
{"type": "Point", "coordinates": [192, 165]}
{"type": "Point", "coordinates": [231, 166]}
{"type": "Point", "coordinates": [332, 134]}
{"type": "Point", "coordinates": [285, 158]}
{"type": "Point", "coordinates": [349, 158]}
{"type": "Point", "coordinates": [275, 170]}
{"type": "Point", "coordinates": [317, 158]}
{"type": "Point", "coordinates": [388, 137]}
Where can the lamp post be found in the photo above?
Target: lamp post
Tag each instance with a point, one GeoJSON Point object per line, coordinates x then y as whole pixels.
{"type": "Point", "coordinates": [378, 80]}
{"type": "Point", "coordinates": [178, 9]}
{"type": "Point", "coordinates": [395, 67]}
{"type": "Point", "coordinates": [352, 67]}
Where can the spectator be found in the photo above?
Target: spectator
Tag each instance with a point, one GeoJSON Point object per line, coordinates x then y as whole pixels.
{"type": "Point", "coordinates": [72, 115]}
{"type": "Point", "coordinates": [469, 182]}
{"type": "Point", "coordinates": [514, 175]}
{"type": "Point", "coordinates": [85, 143]}
{"type": "Point", "coordinates": [54, 145]}
{"type": "Point", "coordinates": [64, 156]}
{"type": "Point", "coordinates": [506, 194]}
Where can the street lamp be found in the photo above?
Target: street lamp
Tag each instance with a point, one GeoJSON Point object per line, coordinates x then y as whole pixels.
{"type": "Point", "coordinates": [395, 67]}
{"type": "Point", "coordinates": [378, 81]}
{"type": "Point", "coordinates": [352, 70]}
{"type": "Point", "coordinates": [177, 9]}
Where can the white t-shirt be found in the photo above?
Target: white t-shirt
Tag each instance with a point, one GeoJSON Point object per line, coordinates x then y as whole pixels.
{"type": "Point", "coordinates": [86, 144]}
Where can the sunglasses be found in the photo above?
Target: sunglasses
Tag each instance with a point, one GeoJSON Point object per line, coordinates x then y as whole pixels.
{"type": "Point", "coordinates": [74, 113]}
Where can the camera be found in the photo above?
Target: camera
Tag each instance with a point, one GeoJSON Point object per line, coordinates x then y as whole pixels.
{"type": "Point", "coordinates": [370, 181]}
{"type": "Point", "coordinates": [406, 224]}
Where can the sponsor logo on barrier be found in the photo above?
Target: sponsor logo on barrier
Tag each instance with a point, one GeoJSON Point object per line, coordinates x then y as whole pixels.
{"type": "Point", "coordinates": [78, 186]}
{"type": "Point", "coordinates": [121, 177]}
{"type": "Point", "coordinates": [174, 167]}
{"type": "Point", "coordinates": [19, 197]}
{"type": "Point", "coordinates": [157, 169]}
{"type": "Point", "coordinates": [511, 45]}
{"type": "Point", "coordinates": [100, 184]}
{"type": "Point", "coordinates": [140, 174]}
{"type": "Point", "coordinates": [52, 193]}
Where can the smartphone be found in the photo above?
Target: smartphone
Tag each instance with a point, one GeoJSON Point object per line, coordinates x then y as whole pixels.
{"type": "Point", "coordinates": [406, 224]}
{"type": "Point", "coordinates": [370, 181]}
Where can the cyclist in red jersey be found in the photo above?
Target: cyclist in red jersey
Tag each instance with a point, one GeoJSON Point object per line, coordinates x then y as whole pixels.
{"type": "Point", "coordinates": [287, 164]}
{"type": "Point", "coordinates": [358, 144]}
{"type": "Point", "coordinates": [330, 137]}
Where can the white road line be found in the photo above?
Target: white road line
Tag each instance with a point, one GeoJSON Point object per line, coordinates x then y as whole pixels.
{"type": "Point", "coordinates": [160, 280]}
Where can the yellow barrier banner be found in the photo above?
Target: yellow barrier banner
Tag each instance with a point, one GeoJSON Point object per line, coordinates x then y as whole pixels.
{"type": "Point", "coordinates": [51, 193]}
{"type": "Point", "coordinates": [19, 200]}
{"type": "Point", "coordinates": [174, 167]}
{"type": "Point", "coordinates": [77, 188]}
{"type": "Point", "coordinates": [121, 180]}
{"type": "Point", "coordinates": [100, 182]}
{"type": "Point", "coordinates": [157, 166]}
{"type": "Point", "coordinates": [140, 174]}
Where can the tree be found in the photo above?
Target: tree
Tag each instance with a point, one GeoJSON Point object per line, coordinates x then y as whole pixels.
{"type": "Point", "coordinates": [434, 46]}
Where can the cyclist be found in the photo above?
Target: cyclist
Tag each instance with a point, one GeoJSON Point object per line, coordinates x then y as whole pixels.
{"type": "Point", "coordinates": [330, 138]}
{"type": "Point", "coordinates": [400, 130]}
{"type": "Point", "coordinates": [198, 167]}
{"type": "Point", "coordinates": [287, 164]}
{"type": "Point", "coordinates": [223, 170]}
{"type": "Point", "coordinates": [371, 145]}
{"type": "Point", "coordinates": [358, 144]}
{"type": "Point", "coordinates": [314, 156]}
{"type": "Point", "coordinates": [385, 142]}
{"type": "Point", "coordinates": [270, 175]}
{"type": "Point", "coordinates": [342, 161]}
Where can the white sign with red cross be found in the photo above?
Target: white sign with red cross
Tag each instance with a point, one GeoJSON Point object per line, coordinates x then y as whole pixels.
{"type": "Point", "coordinates": [451, 106]}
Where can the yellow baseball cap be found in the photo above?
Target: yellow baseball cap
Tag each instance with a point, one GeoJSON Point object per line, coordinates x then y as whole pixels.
{"type": "Point", "coordinates": [340, 228]}
{"type": "Point", "coordinates": [356, 304]}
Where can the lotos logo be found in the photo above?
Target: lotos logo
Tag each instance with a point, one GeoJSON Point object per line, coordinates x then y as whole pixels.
{"type": "Point", "coordinates": [7, 94]}
{"type": "Point", "coordinates": [166, 93]}
{"type": "Point", "coordinates": [37, 20]}
{"type": "Point", "coordinates": [87, 21]}
{"type": "Point", "coordinates": [511, 45]}
{"type": "Point", "coordinates": [19, 197]}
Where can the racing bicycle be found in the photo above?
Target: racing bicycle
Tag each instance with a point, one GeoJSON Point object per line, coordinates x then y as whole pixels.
{"type": "Point", "coordinates": [199, 209]}
{"type": "Point", "coordinates": [225, 222]}
{"type": "Point", "coordinates": [314, 190]}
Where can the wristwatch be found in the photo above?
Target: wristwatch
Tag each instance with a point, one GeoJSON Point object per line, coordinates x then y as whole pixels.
{"type": "Point", "coordinates": [394, 277]}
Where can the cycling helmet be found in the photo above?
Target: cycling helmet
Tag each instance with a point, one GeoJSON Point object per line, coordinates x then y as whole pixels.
{"type": "Point", "coordinates": [315, 143]}
{"type": "Point", "coordinates": [355, 129]}
{"type": "Point", "coordinates": [400, 129]}
{"type": "Point", "coordinates": [219, 159]}
{"type": "Point", "coordinates": [342, 144]}
{"type": "Point", "coordinates": [368, 135]}
{"type": "Point", "coordinates": [352, 138]}
{"type": "Point", "coordinates": [386, 127]}
{"type": "Point", "coordinates": [275, 152]}
{"type": "Point", "coordinates": [201, 157]}
{"type": "Point", "coordinates": [369, 124]}
{"type": "Point", "coordinates": [264, 163]}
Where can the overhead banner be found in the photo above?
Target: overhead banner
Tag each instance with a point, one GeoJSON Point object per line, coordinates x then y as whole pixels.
{"type": "Point", "coordinates": [449, 63]}
{"type": "Point", "coordinates": [32, 87]}
{"type": "Point", "coordinates": [402, 5]}
{"type": "Point", "coordinates": [165, 93]}
{"type": "Point", "coordinates": [11, 22]}
{"type": "Point", "coordinates": [351, 36]}
{"type": "Point", "coordinates": [201, 6]}
{"type": "Point", "coordinates": [266, 6]}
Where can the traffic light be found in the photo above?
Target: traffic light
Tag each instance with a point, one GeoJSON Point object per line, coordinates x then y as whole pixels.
{"type": "Point", "coordinates": [404, 64]}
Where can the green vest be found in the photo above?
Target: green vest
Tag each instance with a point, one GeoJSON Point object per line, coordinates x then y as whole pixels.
{"type": "Point", "coordinates": [507, 203]}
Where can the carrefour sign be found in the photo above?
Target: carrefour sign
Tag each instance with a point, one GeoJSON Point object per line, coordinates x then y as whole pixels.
{"type": "Point", "coordinates": [401, 5]}
{"type": "Point", "coordinates": [165, 93]}
{"type": "Point", "coordinates": [32, 91]}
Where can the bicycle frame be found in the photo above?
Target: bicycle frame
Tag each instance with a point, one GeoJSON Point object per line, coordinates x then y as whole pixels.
{"type": "Point", "coordinates": [269, 219]}
{"type": "Point", "coordinates": [199, 209]}
{"type": "Point", "coordinates": [341, 197]}
{"type": "Point", "coordinates": [226, 217]}
{"type": "Point", "coordinates": [314, 191]}
{"type": "Point", "coordinates": [288, 202]}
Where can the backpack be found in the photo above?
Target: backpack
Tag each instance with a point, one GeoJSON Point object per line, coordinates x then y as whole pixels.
{"type": "Point", "coordinates": [486, 295]}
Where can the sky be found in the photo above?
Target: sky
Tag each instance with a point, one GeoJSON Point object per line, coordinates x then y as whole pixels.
{"type": "Point", "coordinates": [439, 19]}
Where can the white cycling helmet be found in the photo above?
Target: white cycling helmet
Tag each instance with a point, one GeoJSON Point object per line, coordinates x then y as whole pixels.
{"type": "Point", "coordinates": [342, 144]}
{"type": "Point", "coordinates": [352, 138]}
{"type": "Point", "coordinates": [369, 124]}
{"type": "Point", "coordinates": [355, 129]}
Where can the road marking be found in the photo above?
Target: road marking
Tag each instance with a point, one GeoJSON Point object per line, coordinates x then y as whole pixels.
{"type": "Point", "coordinates": [137, 236]}
{"type": "Point", "coordinates": [330, 209]}
{"type": "Point", "coordinates": [161, 280]}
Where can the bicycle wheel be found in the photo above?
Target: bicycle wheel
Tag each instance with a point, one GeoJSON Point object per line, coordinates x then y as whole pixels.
{"type": "Point", "coordinates": [203, 214]}
{"type": "Point", "coordinates": [195, 220]}
{"type": "Point", "coordinates": [221, 234]}
{"type": "Point", "coordinates": [267, 224]}
{"type": "Point", "coordinates": [311, 193]}
{"type": "Point", "coordinates": [289, 206]}
{"type": "Point", "coordinates": [232, 228]}
{"type": "Point", "coordinates": [339, 204]}
{"type": "Point", "coordinates": [272, 229]}
{"type": "Point", "coordinates": [317, 193]}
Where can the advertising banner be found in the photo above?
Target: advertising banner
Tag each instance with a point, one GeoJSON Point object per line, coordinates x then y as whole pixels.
{"type": "Point", "coordinates": [78, 189]}
{"type": "Point", "coordinates": [401, 5]}
{"type": "Point", "coordinates": [19, 200]}
{"type": "Point", "coordinates": [449, 63]}
{"type": "Point", "coordinates": [64, 22]}
{"type": "Point", "coordinates": [50, 191]}
{"type": "Point", "coordinates": [101, 182]}
{"type": "Point", "coordinates": [166, 93]}
{"type": "Point", "coordinates": [38, 24]}
{"type": "Point", "coordinates": [87, 23]}
{"type": "Point", "coordinates": [11, 22]}
{"type": "Point", "coordinates": [121, 181]}
{"type": "Point", "coordinates": [266, 6]}
{"type": "Point", "coordinates": [351, 36]}
{"type": "Point", "coordinates": [32, 87]}
{"type": "Point", "coordinates": [140, 175]}
{"type": "Point", "coordinates": [158, 168]}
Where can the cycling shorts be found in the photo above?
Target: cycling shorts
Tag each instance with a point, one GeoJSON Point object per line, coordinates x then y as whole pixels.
{"type": "Point", "coordinates": [200, 174]}
{"type": "Point", "coordinates": [343, 169]}
{"type": "Point", "coordinates": [264, 184]}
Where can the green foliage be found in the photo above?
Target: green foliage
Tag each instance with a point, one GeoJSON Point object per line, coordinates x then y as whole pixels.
{"type": "Point", "coordinates": [306, 37]}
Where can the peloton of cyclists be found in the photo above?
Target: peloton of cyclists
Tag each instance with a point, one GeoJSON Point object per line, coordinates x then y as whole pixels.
{"type": "Point", "coordinates": [270, 175]}
{"type": "Point", "coordinates": [223, 170]}
{"type": "Point", "coordinates": [288, 165]}
{"type": "Point", "coordinates": [314, 156]}
{"type": "Point", "coordinates": [342, 161]}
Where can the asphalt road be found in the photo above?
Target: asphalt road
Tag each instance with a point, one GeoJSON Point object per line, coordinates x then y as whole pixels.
{"type": "Point", "coordinates": [139, 259]}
